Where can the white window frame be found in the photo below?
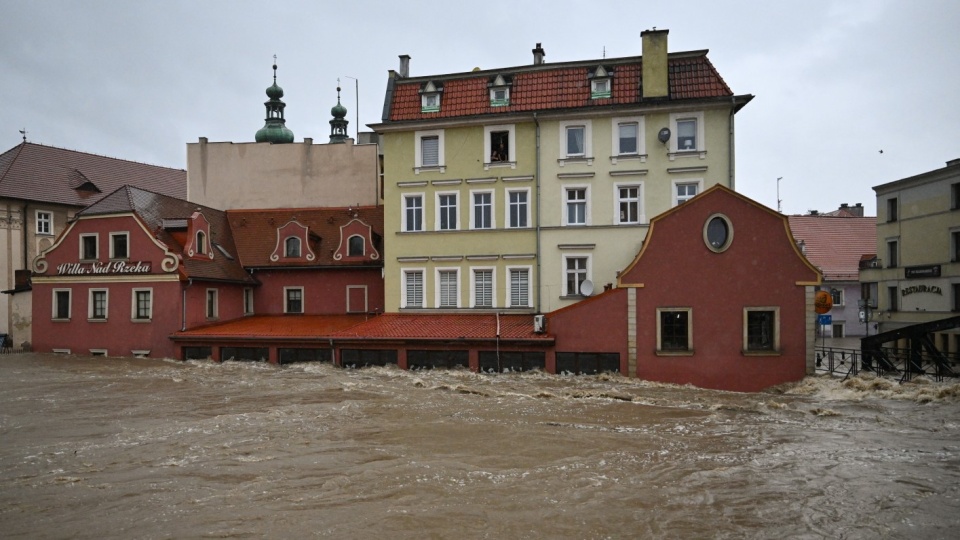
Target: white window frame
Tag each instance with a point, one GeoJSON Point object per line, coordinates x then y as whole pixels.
{"type": "Point", "coordinates": [508, 298]}
{"type": "Point", "coordinates": [134, 307]}
{"type": "Point", "coordinates": [596, 93]}
{"type": "Point", "coordinates": [215, 312]}
{"type": "Point", "coordinates": [587, 139]}
{"type": "Point", "coordinates": [106, 305]}
{"type": "Point", "coordinates": [53, 312]}
{"type": "Point", "coordinates": [676, 183]}
{"type": "Point", "coordinates": [494, 102]}
{"type": "Point", "coordinates": [563, 272]}
{"type": "Point", "coordinates": [286, 247]}
{"type": "Point", "coordinates": [363, 246]}
{"type": "Point", "coordinates": [286, 300]}
{"type": "Point", "coordinates": [563, 206]}
{"type": "Point", "coordinates": [44, 220]}
{"type": "Point", "coordinates": [676, 352]}
{"type": "Point", "coordinates": [113, 235]}
{"type": "Point", "coordinates": [404, 224]}
{"type": "Point", "coordinates": [617, 199]}
{"type": "Point", "coordinates": [200, 243]}
{"type": "Point", "coordinates": [675, 118]}
{"type": "Point", "coordinates": [843, 296]}
{"type": "Point", "coordinates": [509, 209]}
{"type": "Point", "coordinates": [96, 246]}
{"type": "Point", "coordinates": [641, 137]}
{"type": "Point", "coordinates": [776, 330]}
{"type": "Point", "coordinates": [511, 130]}
{"type": "Point", "coordinates": [437, 295]}
{"type": "Point", "coordinates": [404, 301]}
{"type": "Point", "coordinates": [418, 137]}
{"type": "Point", "coordinates": [436, 225]}
{"type": "Point", "coordinates": [473, 286]}
{"type": "Point", "coordinates": [248, 301]}
{"type": "Point", "coordinates": [473, 209]}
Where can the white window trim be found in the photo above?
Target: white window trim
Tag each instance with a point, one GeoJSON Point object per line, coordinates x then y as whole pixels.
{"type": "Point", "coordinates": [403, 287]}
{"type": "Point", "coordinates": [563, 206]}
{"type": "Point", "coordinates": [530, 285]}
{"type": "Point", "coordinates": [403, 212]}
{"type": "Point", "coordinates": [776, 331]}
{"type": "Point", "coordinates": [587, 141]}
{"type": "Point", "coordinates": [436, 292]}
{"type": "Point", "coordinates": [843, 296]}
{"type": "Point", "coordinates": [106, 305]}
{"type": "Point", "coordinates": [248, 295]}
{"type": "Point", "coordinates": [601, 94]}
{"type": "Point", "coordinates": [216, 304]}
{"type": "Point", "coordinates": [48, 220]}
{"type": "Point", "coordinates": [286, 253]}
{"type": "Point", "coordinates": [563, 272]}
{"type": "Point", "coordinates": [641, 214]}
{"type": "Point", "coordinates": [303, 300]}
{"type": "Point", "coordinates": [511, 146]}
{"type": "Point", "coordinates": [675, 183]}
{"type": "Point", "coordinates": [473, 286]}
{"type": "Point", "coordinates": [701, 149]}
{"type": "Point", "coordinates": [366, 299]}
{"type": "Point", "coordinates": [133, 305]}
{"type": "Point", "coordinates": [670, 352]}
{"type": "Point", "coordinates": [615, 138]}
{"type": "Point", "coordinates": [96, 238]}
{"type": "Point", "coordinates": [507, 209]}
{"type": "Point", "coordinates": [418, 150]}
{"type": "Point", "coordinates": [436, 223]}
{"type": "Point", "coordinates": [473, 210]}
{"type": "Point", "coordinates": [363, 245]}
{"type": "Point", "coordinates": [494, 102]}
{"type": "Point", "coordinates": [53, 304]}
{"type": "Point", "coordinates": [115, 234]}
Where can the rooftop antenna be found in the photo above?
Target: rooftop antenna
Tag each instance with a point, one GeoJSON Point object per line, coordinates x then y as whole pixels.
{"type": "Point", "coordinates": [356, 94]}
{"type": "Point", "coordinates": [604, 51]}
{"type": "Point", "coordinates": [779, 200]}
{"type": "Point", "coordinates": [24, 133]}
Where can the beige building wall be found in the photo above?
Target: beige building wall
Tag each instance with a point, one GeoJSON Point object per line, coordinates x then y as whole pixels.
{"type": "Point", "coordinates": [226, 175]}
{"type": "Point", "coordinates": [658, 171]}
{"type": "Point", "coordinates": [465, 170]}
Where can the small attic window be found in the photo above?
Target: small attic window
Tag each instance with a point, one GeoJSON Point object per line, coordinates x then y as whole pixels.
{"type": "Point", "coordinates": [201, 242]}
{"type": "Point", "coordinates": [430, 97]}
{"type": "Point", "coordinates": [601, 83]}
{"type": "Point", "coordinates": [500, 91]}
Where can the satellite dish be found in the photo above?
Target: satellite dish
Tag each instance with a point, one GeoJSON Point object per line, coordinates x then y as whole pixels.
{"type": "Point", "coordinates": [586, 288]}
{"type": "Point", "coordinates": [664, 135]}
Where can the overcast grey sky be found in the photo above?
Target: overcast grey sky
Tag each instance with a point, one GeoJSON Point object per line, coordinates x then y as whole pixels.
{"type": "Point", "coordinates": [835, 82]}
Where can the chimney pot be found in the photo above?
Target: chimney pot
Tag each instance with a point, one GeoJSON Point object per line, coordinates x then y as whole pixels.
{"type": "Point", "coordinates": [538, 54]}
{"type": "Point", "coordinates": [404, 65]}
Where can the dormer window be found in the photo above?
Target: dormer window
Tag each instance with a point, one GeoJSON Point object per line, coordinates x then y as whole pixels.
{"type": "Point", "coordinates": [201, 243]}
{"type": "Point", "coordinates": [355, 246]}
{"type": "Point", "coordinates": [601, 83]}
{"type": "Point", "coordinates": [292, 247]}
{"type": "Point", "coordinates": [430, 97]}
{"type": "Point", "coordinates": [500, 91]}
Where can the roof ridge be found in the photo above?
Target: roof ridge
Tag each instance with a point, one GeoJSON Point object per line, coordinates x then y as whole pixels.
{"type": "Point", "coordinates": [41, 145]}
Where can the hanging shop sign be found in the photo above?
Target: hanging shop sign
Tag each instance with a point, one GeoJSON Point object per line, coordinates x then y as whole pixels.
{"type": "Point", "coordinates": [100, 268]}
{"type": "Point", "coordinates": [822, 302]}
{"type": "Point", "coordinates": [928, 271]}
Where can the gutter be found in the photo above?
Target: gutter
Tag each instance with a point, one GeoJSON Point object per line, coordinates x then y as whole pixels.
{"type": "Point", "coordinates": [537, 302]}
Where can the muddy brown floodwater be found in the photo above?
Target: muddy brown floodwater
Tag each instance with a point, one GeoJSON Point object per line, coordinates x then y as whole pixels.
{"type": "Point", "coordinates": [140, 448]}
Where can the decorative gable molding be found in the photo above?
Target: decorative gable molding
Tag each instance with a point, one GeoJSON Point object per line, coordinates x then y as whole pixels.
{"type": "Point", "coordinates": [199, 245]}
{"type": "Point", "coordinates": [294, 229]}
{"type": "Point", "coordinates": [356, 227]}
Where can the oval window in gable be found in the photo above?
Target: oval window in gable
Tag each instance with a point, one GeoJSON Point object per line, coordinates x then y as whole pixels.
{"type": "Point", "coordinates": [718, 233]}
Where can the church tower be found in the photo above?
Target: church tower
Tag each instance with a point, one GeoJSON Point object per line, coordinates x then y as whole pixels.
{"type": "Point", "coordinates": [338, 126]}
{"type": "Point", "coordinates": [275, 129]}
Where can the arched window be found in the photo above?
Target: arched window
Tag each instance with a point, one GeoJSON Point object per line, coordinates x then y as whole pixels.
{"type": "Point", "coordinates": [201, 242]}
{"type": "Point", "coordinates": [293, 247]}
{"type": "Point", "coordinates": [355, 246]}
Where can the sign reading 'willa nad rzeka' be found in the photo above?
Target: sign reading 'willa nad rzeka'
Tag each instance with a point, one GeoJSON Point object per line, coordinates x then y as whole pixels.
{"type": "Point", "coordinates": [113, 267]}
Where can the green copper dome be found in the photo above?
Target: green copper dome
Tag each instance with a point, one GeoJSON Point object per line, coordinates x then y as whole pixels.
{"type": "Point", "coordinates": [275, 130]}
{"type": "Point", "coordinates": [338, 126]}
{"type": "Point", "coordinates": [338, 110]}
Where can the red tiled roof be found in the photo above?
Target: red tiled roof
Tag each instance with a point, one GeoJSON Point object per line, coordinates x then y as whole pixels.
{"type": "Point", "coordinates": [153, 208]}
{"type": "Point", "coordinates": [255, 233]}
{"type": "Point", "coordinates": [445, 326]}
{"type": "Point", "coordinates": [836, 244]}
{"type": "Point", "coordinates": [548, 87]}
{"type": "Point", "coordinates": [275, 327]}
{"type": "Point", "coordinates": [35, 172]}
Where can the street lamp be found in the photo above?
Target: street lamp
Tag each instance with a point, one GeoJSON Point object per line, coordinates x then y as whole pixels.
{"type": "Point", "coordinates": [356, 94]}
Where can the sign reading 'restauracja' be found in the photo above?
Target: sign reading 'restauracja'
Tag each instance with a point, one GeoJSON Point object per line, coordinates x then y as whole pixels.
{"type": "Point", "coordinates": [115, 267]}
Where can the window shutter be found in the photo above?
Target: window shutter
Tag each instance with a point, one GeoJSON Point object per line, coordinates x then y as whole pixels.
{"type": "Point", "coordinates": [430, 151]}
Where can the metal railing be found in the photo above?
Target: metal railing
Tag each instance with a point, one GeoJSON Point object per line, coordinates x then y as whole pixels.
{"type": "Point", "coordinates": [902, 363]}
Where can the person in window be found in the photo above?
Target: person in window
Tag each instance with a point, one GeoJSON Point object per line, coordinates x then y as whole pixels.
{"type": "Point", "coordinates": [495, 155]}
{"type": "Point", "coordinates": [499, 153]}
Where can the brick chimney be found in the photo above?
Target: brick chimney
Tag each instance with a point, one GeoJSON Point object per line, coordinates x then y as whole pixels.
{"type": "Point", "coordinates": [538, 55]}
{"type": "Point", "coordinates": [404, 66]}
{"type": "Point", "coordinates": [655, 81]}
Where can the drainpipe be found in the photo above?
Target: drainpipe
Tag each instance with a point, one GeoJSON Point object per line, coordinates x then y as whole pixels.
{"type": "Point", "coordinates": [26, 263]}
{"type": "Point", "coordinates": [537, 122]}
{"type": "Point", "coordinates": [183, 307]}
{"type": "Point", "coordinates": [733, 109]}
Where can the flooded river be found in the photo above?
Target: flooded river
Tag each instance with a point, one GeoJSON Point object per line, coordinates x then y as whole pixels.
{"type": "Point", "coordinates": [134, 448]}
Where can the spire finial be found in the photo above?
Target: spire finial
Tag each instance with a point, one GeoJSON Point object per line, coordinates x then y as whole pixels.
{"type": "Point", "coordinates": [24, 132]}
{"type": "Point", "coordinates": [274, 69]}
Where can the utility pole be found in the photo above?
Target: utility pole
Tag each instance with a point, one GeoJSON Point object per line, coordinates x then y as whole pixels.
{"type": "Point", "coordinates": [779, 209]}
